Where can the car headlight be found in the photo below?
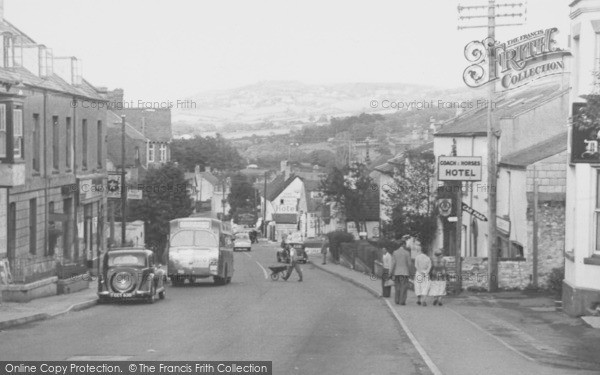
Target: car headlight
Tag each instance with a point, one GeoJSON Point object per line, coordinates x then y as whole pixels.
{"type": "Point", "coordinates": [213, 261]}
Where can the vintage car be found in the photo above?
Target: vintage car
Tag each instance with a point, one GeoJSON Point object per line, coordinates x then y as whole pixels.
{"type": "Point", "coordinates": [131, 273]}
{"type": "Point", "coordinates": [242, 241]}
{"type": "Point", "coordinates": [283, 254]}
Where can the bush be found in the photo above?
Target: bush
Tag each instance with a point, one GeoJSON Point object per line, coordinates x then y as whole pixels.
{"type": "Point", "coordinates": [555, 280]}
{"type": "Point", "coordinates": [336, 238]}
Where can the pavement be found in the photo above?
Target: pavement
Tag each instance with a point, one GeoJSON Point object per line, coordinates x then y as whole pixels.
{"type": "Point", "coordinates": [490, 333]}
{"type": "Point", "coordinates": [14, 313]}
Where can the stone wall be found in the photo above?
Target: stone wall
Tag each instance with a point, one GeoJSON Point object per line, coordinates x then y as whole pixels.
{"type": "Point", "coordinates": [512, 274]}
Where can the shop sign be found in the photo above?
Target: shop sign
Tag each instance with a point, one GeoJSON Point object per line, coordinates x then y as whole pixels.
{"type": "Point", "coordinates": [584, 142]}
{"type": "Point", "coordinates": [113, 184]}
{"type": "Point", "coordinates": [91, 188]}
{"type": "Point", "coordinates": [517, 62]}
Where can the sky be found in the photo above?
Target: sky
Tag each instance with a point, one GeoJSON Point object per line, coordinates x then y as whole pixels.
{"type": "Point", "coordinates": [159, 50]}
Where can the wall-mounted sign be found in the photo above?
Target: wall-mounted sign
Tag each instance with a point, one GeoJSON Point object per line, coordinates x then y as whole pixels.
{"type": "Point", "coordinates": [135, 194]}
{"type": "Point", "coordinates": [444, 206]}
{"type": "Point", "coordinates": [584, 142]}
{"type": "Point", "coordinates": [113, 185]}
{"type": "Point", "coordinates": [517, 62]}
{"type": "Point", "coordinates": [459, 168]}
{"type": "Point", "coordinates": [503, 225]}
{"type": "Point", "coordinates": [468, 209]}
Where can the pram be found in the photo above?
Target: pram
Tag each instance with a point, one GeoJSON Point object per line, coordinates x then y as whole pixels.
{"type": "Point", "coordinates": [276, 270]}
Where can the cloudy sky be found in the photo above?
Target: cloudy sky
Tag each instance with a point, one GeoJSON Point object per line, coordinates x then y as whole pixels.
{"type": "Point", "coordinates": [159, 50]}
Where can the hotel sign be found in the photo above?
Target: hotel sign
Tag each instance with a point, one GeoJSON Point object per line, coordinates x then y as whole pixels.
{"type": "Point", "coordinates": [515, 63]}
{"type": "Point", "coordinates": [459, 168]}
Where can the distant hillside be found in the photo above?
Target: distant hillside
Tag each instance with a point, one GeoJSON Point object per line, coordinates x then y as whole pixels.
{"type": "Point", "coordinates": [283, 103]}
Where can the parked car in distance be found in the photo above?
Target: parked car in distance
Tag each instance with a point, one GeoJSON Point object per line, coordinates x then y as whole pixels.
{"type": "Point", "coordinates": [241, 241]}
{"type": "Point", "coordinates": [131, 274]}
{"type": "Point", "coordinates": [300, 251]}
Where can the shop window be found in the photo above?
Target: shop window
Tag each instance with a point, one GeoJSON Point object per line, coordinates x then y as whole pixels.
{"type": "Point", "coordinates": [52, 237]}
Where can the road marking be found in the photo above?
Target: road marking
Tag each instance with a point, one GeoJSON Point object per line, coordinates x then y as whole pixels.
{"type": "Point", "coordinates": [263, 269]}
{"type": "Point", "coordinates": [434, 369]}
{"type": "Point", "coordinates": [507, 345]}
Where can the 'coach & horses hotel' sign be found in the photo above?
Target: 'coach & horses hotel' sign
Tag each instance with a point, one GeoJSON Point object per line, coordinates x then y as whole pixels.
{"type": "Point", "coordinates": [515, 63]}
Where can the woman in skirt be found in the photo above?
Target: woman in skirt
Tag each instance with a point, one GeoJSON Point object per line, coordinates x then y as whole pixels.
{"type": "Point", "coordinates": [437, 288]}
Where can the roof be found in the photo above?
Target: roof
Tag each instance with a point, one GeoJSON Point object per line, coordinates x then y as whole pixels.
{"type": "Point", "coordinates": [539, 151]}
{"type": "Point", "coordinates": [210, 178]}
{"type": "Point", "coordinates": [114, 121]}
{"type": "Point", "coordinates": [155, 124]}
{"type": "Point", "coordinates": [285, 218]}
{"type": "Point", "coordinates": [278, 185]}
{"type": "Point", "coordinates": [474, 122]}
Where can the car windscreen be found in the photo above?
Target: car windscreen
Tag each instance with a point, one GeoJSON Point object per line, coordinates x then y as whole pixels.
{"type": "Point", "coordinates": [193, 238]}
{"type": "Point", "coordinates": [242, 237]}
{"type": "Point", "coordinates": [136, 260]}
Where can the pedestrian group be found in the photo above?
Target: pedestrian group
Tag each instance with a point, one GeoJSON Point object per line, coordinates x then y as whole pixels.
{"type": "Point", "coordinates": [429, 279]}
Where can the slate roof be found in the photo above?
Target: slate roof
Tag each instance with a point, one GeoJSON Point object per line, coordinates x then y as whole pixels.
{"type": "Point", "coordinates": [285, 218]}
{"type": "Point", "coordinates": [114, 122]}
{"type": "Point", "coordinates": [539, 151]}
{"type": "Point", "coordinates": [211, 178]}
{"type": "Point", "coordinates": [278, 185]}
{"type": "Point", "coordinates": [474, 122]}
{"type": "Point", "coordinates": [155, 124]}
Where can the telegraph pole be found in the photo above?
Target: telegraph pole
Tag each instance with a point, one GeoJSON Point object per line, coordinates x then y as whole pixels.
{"type": "Point", "coordinates": [123, 185]}
{"type": "Point", "coordinates": [264, 222]}
{"type": "Point", "coordinates": [491, 131]}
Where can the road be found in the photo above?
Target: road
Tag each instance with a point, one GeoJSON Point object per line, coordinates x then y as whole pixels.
{"type": "Point", "coordinates": [322, 325]}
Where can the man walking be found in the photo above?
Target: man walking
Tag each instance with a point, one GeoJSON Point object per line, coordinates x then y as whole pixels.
{"type": "Point", "coordinates": [400, 271]}
{"type": "Point", "coordinates": [294, 265]}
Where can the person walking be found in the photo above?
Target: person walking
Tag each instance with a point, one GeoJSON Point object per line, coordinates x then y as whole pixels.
{"type": "Point", "coordinates": [294, 265]}
{"type": "Point", "coordinates": [439, 274]}
{"type": "Point", "coordinates": [385, 276]}
{"type": "Point", "coordinates": [423, 267]}
{"type": "Point", "coordinates": [400, 271]}
{"type": "Point", "coordinates": [324, 248]}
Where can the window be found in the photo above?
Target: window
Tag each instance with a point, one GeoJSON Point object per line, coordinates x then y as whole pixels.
{"type": "Point", "coordinates": [137, 155]}
{"type": "Point", "coordinates": [55, 142]}
{"type": "Point", "coordinates": [53, 238]}
{"type": "Point", "coordinates": [162, 153]}
{"type": "Point", "coordinates": [84, 144]}
{"type": "Point", "coordinates": [18, 133]}
{"type": "Point", "coordinates": [99, 144]}
{"type": "Point", "coordinates": [150, 153]}
{"type": "Point", "coordinates": [68, 143]}
{"type": "Point", "coordinates": [9, 51]}
{"type": "Point", "coordinates": [33, 226]}
{"type": "Point", "coordinates": [36, 142]}
{"type": "Point", "coordinates": [3, 131]}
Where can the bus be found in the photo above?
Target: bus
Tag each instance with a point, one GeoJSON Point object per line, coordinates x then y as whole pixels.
{"type": "Point", "coordinates": [199, 248]}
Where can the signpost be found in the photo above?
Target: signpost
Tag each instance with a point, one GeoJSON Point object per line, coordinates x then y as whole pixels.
{"type": "Point", "coordinates": [457, 169]}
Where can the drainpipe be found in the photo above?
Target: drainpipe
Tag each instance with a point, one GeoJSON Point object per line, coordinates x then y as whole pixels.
{"type": "Point", "coordinates": [45, 172]}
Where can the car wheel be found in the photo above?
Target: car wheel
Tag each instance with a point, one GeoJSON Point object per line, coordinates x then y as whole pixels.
{"type": "Point", "coordinates": [163, 294]}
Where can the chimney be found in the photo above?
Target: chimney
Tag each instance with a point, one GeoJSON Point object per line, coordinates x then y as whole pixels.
{"type": "Point", "coordinates": [115, 97]}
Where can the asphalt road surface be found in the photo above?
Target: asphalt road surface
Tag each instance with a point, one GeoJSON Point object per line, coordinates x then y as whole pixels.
{"type": "Point", "coordinates": [322, 325]}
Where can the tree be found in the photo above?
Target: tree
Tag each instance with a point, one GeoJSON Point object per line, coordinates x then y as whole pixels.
{"type": "Point", "coordinates": [411, 200]}
{"type": "Point", "coordinates": [216, 152]}
{"type": "Point", "coordinates": [243, 197]}
{"type": "Point", "coordinates": [351, 190]}
{"type": "Point", "coordinates": [165, 197]}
